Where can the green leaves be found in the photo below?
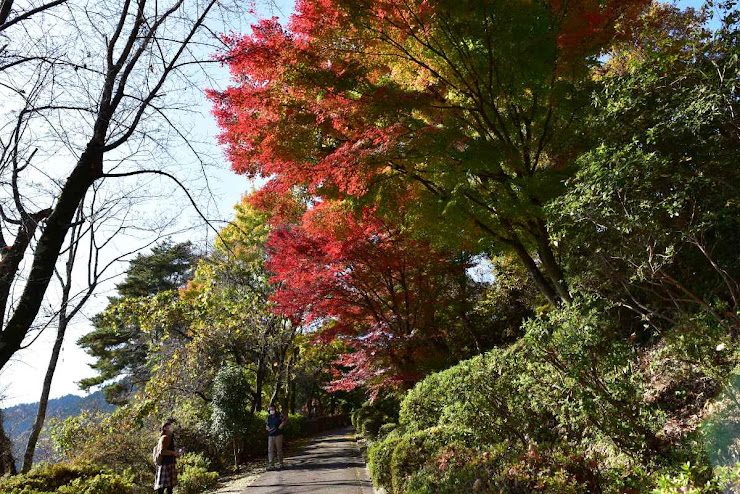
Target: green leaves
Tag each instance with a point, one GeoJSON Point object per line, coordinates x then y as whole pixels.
{"type": "Point", "coordinates": [230, 415]}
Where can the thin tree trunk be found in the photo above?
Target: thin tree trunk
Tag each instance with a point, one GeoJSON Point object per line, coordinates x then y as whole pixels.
{"type": "Point", "coordinates": [292, 399]}
{"type": "Point", "coordinates": [309, 402]}
{"type": "Point", "coordinates": [44, 400]}
{"type": "Point", "coordinates": [64, 318]}
{"type": "Point", "coordinates": [279, 374]}
{"type": "Point", "coordinates": [7, 463]}
{"type": "Point", "coordinates": [551, 265]}
{"type": "Point", "coordinates": [278, 384]}
{"type": "Point", "coordinates": [288, 372]}
{"type": "Point", "coordinates": [534, 272]}
{"type": "Point", "coordinates": [257, 406]}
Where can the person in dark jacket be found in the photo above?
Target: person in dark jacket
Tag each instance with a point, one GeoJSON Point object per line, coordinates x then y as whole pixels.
{"type": "Point", "coordinates": [275, 424]}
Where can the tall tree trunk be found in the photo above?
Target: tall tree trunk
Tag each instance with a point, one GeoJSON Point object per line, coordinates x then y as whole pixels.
{"type": "Point", "coordinates": [534, 272]}
{"type": "Point", "coordinates": [309, 401]}
{"type": "Point", "coordinates": [278, 385]}
{"type": "Point", "coordinates": [288, 381]}
{"type": "Point", "coordinates": [44, 400]}
{"type": "Point", "coordinates": [65, 316]}
{"type": "Point", "coordinates": [260, 377]}
{"type": "Point", "coordinates": [292, 397]}
{"type": "Point", "coordinates": [279, 373]}
{"type": "Point", "coordinates": [5, 6]}
{"type": "Point", "coordinates": [13, 255]}
{"type": "Point", "coordinates": [88, 169]}
{"type": "Point", "coordinates": [515, 243]}
{"type": "Point", "coordinates": [551, 265]}
{"type": "Point", "coordinates": [7, 463]}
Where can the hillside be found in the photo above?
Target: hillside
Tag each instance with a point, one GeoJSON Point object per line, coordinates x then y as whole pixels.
{"type": "Point", "coordinates": [19, 419]}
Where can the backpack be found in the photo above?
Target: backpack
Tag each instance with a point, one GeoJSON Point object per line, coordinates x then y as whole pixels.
{"type": "Point", "coordinates": [157, 454]}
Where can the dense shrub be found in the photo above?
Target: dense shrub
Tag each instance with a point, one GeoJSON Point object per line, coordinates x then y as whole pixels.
{"type": "Point", "coordinates": [104, 483]}
{"type": "Point", "coordinates": [693, 479]}
{"type": "Point", "coordinates": [379, 460]}
{"type": "Point", "coordinates": [414, 449]}
{"type": "Point", "coordinates": [386, 429]}
{"type": "Point", "coordinates": [573, 380]}
{"type": "Point", "coordinates": [296, 425]}
{"type": "Point", "coordinates": [194, 475]}
{"type": "Point", "coordinates": [502, 469]}
{"type": "Point", "coordinates": [371, 416]}
{"type": "Point", "coordinates": [118, 441]}
{"type": "Point", "coordinates": [67, 478]}
{"type": "Point", "coordinates": [487, 395]}
{"type": "Point", "coordinates": [599, 389]}
{"type": "Point", "coordinates": [371, 425]}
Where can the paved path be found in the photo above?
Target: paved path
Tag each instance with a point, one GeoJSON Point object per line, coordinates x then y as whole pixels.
{"type": "Point", "coordinates": [331, 464]}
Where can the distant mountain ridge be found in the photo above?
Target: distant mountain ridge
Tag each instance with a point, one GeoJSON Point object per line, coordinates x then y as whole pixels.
{"type": "Point", "coordinates": [19, 419]}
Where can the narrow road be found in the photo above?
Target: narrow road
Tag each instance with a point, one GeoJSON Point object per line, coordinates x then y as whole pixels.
{"type": "Point", "coordinates": [331, 464]}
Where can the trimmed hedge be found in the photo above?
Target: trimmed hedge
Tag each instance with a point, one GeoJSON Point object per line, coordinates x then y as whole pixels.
{"type": "Point", "coordinates": [487, 395]}
{"type": "Point", "coordinates": [413, 450]}
{"type": "Point", "coordinates": [370, 417]}
{"type": "Point", "coordinates": [379, 460]}
{"type": "Point", "coordinates": [386, 429]}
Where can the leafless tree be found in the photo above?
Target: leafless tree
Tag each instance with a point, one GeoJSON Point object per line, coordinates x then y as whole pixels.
{"type": "Point", "coordinates": [97, 91]}
{"type": "Point", "coordinates": [90, 234]}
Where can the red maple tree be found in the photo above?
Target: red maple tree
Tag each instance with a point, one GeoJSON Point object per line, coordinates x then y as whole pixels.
{"type": "Point", "coordinates": [465, 114]}
{"type": "Point", "coordinates": [475, 103]}
{"type": "Point", "coordinates": [361, 279]}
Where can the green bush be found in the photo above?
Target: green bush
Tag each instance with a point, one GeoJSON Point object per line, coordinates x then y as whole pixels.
{"type": "Point", "coordinates": [104, 483]}
{"type": "Point", "coordinates": [67, 478]}
{"type": "Point", "coordinates": [194, 476]}
{"type": "Point", "coordinates": [487, 395]}
{"type": "Point", "coordinates": [296, 425]}
{"type": "Point", "coordinates": [414, 449]}
{"type": "Point", "coordinates": [386, 429]}
{"type": "Point", "coordinates": [570, 380]}
{"type": "Point", "coordinates": [600, 389]}
{"type": "Point", "coordinates": [379, 460]}
{"type": "Point", "coordinates": [510, 393]}
{"type": "Point", "coordinates": [118, 441]}
{"type": "Point", "coordinates": [695, 479]}
{"type": "Point", "coordinates": [371, 425]}
{"type": "Point", "coordinates": [371, 416]}
{"type": "Point", "coordinates": [502, 469]}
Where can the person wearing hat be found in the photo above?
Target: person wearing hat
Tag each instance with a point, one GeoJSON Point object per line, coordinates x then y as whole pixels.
{"type": "Point", "coordinates": [164, 457]}
{"type": "Point", "coordinates": [274, 427]}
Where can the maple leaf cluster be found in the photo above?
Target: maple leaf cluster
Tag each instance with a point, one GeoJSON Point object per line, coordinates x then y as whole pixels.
{"type": "Point", "coordinates": [362, 280]}
{"type": "Point", "coordinates": [366, 100]}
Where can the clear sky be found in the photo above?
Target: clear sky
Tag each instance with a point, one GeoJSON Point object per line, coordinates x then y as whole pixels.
{"type": "Point", "coordinates": [21, 380]}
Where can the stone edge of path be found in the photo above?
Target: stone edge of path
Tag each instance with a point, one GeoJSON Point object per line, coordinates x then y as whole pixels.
{"type": "Point", "coordinates": [361, 445]}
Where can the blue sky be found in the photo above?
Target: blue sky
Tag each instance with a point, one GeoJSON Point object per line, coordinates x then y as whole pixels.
{"type": "Point", "coordinates": [25, 375]}
{"type": "Point", "coordinates": [22, 378]}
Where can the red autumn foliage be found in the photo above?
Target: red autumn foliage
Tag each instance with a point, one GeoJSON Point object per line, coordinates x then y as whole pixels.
{"type": "Point", "coordinates": [354, 92]}
{"type": "Point", "coordinates": [382, 292]}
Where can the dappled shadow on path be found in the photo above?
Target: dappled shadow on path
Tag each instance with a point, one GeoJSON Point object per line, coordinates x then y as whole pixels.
{"type": "Point", "coordinates": [331, 464]}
